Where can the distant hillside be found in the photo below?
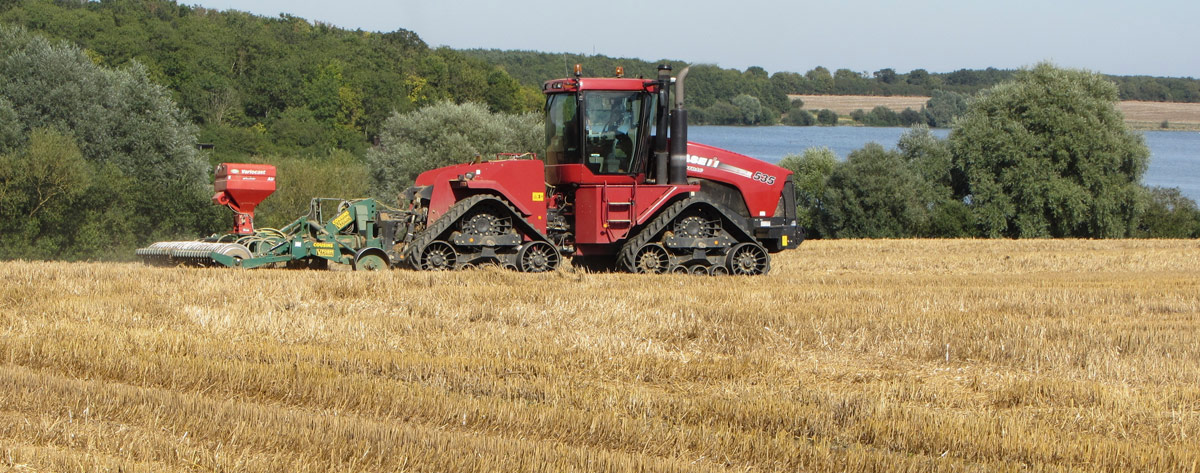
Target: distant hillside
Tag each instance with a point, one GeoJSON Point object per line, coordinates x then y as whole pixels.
{"type": "Point", "coordinates": [273, 84]}
{"type": "Point", "coordinates": [286, 85]}
{"type": "Point", "coordinates": [531, 68]}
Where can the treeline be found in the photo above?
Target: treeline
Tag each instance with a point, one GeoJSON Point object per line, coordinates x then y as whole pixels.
{"type": "Point", "coordinates": [1045, 155]}
{"type": "Point", "coordinates": [259, 85]}
{"type": "Point", "coordinates": [93, 160]}
{"type": "Point", "coordinates": [755, 97]}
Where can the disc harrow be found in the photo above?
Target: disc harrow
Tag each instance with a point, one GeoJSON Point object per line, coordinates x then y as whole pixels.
{"type": "Point", "coordinates": [191, 253]}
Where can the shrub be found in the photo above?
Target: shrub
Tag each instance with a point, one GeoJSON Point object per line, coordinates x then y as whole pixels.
{"type": "Point", "coordinates": [1169, 215]}
{"type": "Point", "coordinates": [827, 117]}
{"type": "Point", "coordinates": [444, 134]}
{"type": "Point", "coordinates": [798, 117]}
{"type": "Point", "coordinates": [881, 116]}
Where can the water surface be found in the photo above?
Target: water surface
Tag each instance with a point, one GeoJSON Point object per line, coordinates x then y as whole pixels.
{"type": "Point", "coordinates": [1174, 155]}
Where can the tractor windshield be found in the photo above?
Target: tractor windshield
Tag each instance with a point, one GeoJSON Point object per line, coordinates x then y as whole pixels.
{"type": "Point", "coordinates": [611, 121]}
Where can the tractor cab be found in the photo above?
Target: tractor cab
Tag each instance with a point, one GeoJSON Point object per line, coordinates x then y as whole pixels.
{"type": "Point", "coordinates": [600, 130]}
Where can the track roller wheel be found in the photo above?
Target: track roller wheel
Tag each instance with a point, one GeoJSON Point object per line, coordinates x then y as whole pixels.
{"type": "Point", "coordinates": [699, 269]}
{"type": "Point", "coordinates": [369, 262]}
{"type": "Point", "coordinates": [438, 256]}
{"type": "Point", "coordinates": [537, 257]}
{"type": "Point", "coordinates": [718, 271]}
{"type": "Point", "coordinates": [651, 259]}
{"type": "Point", "coordinates": [747, 259]}
{"type": "Point", "coordinates": [678, 269]}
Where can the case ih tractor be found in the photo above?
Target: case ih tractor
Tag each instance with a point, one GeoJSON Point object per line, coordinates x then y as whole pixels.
{"type": "Point", "coordinates": [620, 188]}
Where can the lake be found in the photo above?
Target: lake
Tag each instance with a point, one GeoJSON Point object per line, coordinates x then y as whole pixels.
{"type": "Point", "coordinates": [1174, 155]}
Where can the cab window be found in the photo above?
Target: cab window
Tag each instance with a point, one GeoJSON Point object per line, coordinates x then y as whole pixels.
{"type": "Point", "coordinates": [562, 136]}
{"type": "Point", "coordinates": [611, 122]}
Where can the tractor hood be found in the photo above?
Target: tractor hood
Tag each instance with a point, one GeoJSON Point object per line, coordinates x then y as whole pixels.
{"type": "Point", "coordinates": [760, 182]}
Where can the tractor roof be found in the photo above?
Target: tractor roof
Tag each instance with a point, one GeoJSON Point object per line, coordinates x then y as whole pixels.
{"type": "Point", "coordinates": [598, 83]}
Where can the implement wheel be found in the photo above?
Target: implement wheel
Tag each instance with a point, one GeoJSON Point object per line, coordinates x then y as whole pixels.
{"type": "Point", "coordinates": [537, 257]}
{"type": "Point", "coordinates": [369, 262]}
{"type": "Point", "coordinates": [438, 256]}
{"type": "Point", "coordinates": [747, 259]}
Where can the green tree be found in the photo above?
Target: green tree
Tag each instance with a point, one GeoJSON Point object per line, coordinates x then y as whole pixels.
{"type": "Point", "coordinates": [1169, 215]}
{"type": "Point", "coordinates": [790, 82]}
{"type": "Point", "coordinates": [910, 117]}
{"type": "Point", "coordinates": [751, 109]}
{"type": "Point", "coordinates": [1048, 155]}
{"type": "Point", "coordinates": [917, 77]}
{"type": "Point", "coordinates": [848, 82]}
{"type": "Point", "coordinates": [810, 171]}
{"type": "Point", "coordinates": [930, 160]}
{"type": "Point", "coordinates": [874, 194]}
{"type": "Point", "coordinates": [799, 117]}
{"type": "Point", "coordinates": [887, 76]}
{"type": "Point", "coordinates": [444, 134]}
{"type": "Point", "coordinates": [503, 92]}
{"type": "Point", "coordinates": [722, 113]}
{"type": "Point", "coordinates": [821, 80]}
{"type": "Point", "coordinates": [11, 128]}
{"type": "Point", "coordinates": [40, 180]}
{"type": "Point", "coordinates": [943, 107]}
{"type": "Point", "coordinates": [827, 117]}
{"type": "Point", "coordinates": [124, 126]}
{"type": "Point", "coordinates": [881, 116]}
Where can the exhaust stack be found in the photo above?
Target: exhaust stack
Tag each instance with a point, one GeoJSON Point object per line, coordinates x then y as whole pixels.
{"type": "Point", "coordinates": [662, 155]}
{"type": "Point", "coordinates": [678, 164]}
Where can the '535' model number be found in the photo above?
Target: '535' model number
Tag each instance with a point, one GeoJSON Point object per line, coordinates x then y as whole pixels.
{"type": "Point", "coordinates": [764, 178]}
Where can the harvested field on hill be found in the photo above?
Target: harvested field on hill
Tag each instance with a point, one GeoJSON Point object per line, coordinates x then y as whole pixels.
{"type": "Point", "coordinates": [845, 104]}
{"type": "Point", "coordinates": [1152, 114]}
{"type": "Point", "coordinates": [1141, 115]}
{"type": "Point", "coordinates": [893, 355]}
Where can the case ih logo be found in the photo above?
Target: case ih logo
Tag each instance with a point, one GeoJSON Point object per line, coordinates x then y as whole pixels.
{"type": "Point", "coordinates": [698, 163]}
{"type": "Point", "coordinates": [701, 161]}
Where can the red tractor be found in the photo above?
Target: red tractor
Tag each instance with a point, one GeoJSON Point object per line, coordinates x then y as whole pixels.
{"type": "Point", "coordinates": [620, 188]}
{"type": "Point", "coordinates": [617, 190]}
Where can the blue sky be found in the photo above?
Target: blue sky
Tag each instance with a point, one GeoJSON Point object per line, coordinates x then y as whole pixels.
{"type": "Point", "coordinates": [1114, 37]}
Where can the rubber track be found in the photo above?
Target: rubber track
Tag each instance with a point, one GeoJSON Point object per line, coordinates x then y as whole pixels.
{"type": "Point", "coordinates": [456, 212]}
{"type": "Point", "coordinates": [652, 229]}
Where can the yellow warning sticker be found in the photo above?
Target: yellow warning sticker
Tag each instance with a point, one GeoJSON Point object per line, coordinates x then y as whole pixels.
{"type": "Point", "coordinates": [539, 196]}
{"type": "Point", "coordinates": [342, 219]}
{"type": "Point", "coordinates": [784, 240]}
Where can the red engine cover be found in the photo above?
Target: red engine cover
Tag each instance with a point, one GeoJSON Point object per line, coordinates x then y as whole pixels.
{"type": "Point", "coordinates": [761, 183]}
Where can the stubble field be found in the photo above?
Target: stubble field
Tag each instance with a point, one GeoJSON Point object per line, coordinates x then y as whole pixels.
{"type": "Point", "coordinates": [908, 355]}
{"type": "Point", "coordinates": [1138, 114]}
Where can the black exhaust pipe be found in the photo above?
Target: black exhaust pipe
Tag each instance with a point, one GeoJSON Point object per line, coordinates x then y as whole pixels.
{"type": "Point", "coordinates": [678, 165]}
{"type": "Point", "coordinates": [661, 155]}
